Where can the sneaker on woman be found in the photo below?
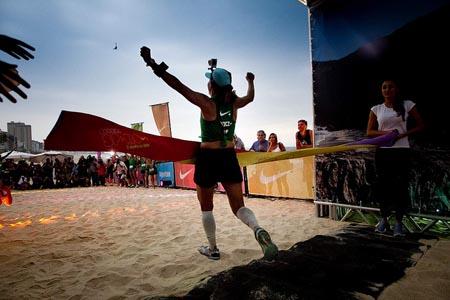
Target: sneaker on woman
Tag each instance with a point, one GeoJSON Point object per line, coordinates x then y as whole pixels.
{"type": "Point", "coordinates": [382, 226]}
{"type": "Point", "coordinates": [269, 249]}
{"type": "Point", "coordinates": [398, 230]}
{"type": "Point", "coordinates": [213, 254]}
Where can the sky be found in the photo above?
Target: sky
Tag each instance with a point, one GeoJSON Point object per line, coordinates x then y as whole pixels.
{"type": "Point", "coordinates": [76, 69]}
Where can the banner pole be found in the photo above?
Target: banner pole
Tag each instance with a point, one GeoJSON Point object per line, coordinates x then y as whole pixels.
{"type": "Point", "coordinates": [168, 113]}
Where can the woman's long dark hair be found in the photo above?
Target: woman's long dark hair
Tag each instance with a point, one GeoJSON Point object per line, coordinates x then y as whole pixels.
{"type": "Point", "coordinates": [224, 94]}
{"type": "Point", "coordinates": [398, 105]}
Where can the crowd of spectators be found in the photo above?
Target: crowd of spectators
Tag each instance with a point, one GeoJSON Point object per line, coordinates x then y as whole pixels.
{"type": "Point", "coordinates": [127, 171]}
{"type": "Point", "coordinates": [304, 138]}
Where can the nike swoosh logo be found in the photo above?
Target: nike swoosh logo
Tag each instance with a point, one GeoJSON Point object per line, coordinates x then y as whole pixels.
{"type": "Point", "coordinates": [183, 175]}
{"type": "Point", "coordinates": [225, 113]}
{"type": "Point", "coordinates": [162, 129]}
{"type": "Point", "coordinates": [268, 179]}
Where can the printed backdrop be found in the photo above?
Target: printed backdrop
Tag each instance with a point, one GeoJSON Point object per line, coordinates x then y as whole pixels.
{"type": "Point", "coordinates": [291, 178]}
{"type": "Point", "coordinates": [405, 40]}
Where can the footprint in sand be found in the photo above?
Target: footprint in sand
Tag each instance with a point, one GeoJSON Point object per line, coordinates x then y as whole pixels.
{"type": "Point", "coordinates": [169, 271]}
{"type": "Point", "coordinates": [146, 287]}
{"type": "Point", "coordinates": [111, 279]}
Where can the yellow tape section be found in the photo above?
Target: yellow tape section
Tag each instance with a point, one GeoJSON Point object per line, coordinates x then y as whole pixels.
{"type": "Point", "coordinates": [253, 158]}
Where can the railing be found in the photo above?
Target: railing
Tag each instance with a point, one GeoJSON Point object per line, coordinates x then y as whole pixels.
{"type": "Point", "coordinates": [325, 207]}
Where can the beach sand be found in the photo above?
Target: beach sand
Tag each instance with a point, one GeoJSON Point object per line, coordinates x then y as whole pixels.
{"type": "Point", "coordinates": [110, 242]}
{"type": "Point", "coordinates": [428, 279]}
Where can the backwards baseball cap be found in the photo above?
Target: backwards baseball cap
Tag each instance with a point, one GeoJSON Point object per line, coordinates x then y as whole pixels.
{"type": "Point", "coordinates": [220, 76]}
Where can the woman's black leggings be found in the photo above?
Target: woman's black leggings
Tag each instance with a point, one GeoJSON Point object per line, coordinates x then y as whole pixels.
{"type": "Point", "coordinates": [392, 167]}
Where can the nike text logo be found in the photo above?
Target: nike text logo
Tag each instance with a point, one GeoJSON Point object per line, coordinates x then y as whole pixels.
{"type": "Point", "coordinates": [183, 175]}
{"type": "Point", "coordinates": [225, 113]}
{"type": "Point", "coordinates": [268, 179]}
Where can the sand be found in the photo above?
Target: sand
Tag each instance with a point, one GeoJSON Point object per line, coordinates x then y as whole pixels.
{"type": "Point", "coordinates": [110, 242]}
{"type": "Point", "coordinates": [115, 243]}
{"type": "Point", "coordinates": [428, 279]}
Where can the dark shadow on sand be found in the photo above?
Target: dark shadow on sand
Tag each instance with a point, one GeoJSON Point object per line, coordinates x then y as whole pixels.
{"type": "Point", "coordinates": [354, 261]}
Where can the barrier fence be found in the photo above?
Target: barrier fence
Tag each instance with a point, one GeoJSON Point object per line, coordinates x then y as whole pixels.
{"type": "Point", "coordinates": [292, 178]}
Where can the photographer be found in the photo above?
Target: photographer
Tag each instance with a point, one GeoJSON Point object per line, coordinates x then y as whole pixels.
{"type": "Point", "coordinates": [216, 160]}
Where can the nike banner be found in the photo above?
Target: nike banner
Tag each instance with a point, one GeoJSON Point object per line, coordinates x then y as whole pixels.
{"type": "Point", "coordinates": [184, 177]}
{"type": "Point", "coordinates": [291, 178]}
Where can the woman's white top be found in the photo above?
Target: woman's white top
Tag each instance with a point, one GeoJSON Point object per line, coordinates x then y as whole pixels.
{"type": "Point", "coordinates": [388, 120]}
{"type": "Point", "coordinates": [277, 149]}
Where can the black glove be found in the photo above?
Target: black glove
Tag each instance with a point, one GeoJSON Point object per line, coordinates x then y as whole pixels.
{"type": "Point", "coordinates": [157, 69]}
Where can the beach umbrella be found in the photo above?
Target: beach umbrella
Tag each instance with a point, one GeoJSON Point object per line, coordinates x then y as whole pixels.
{"type": "Point", "coordinates": [16, 155]}
{"type": "Point", "coordinates": [41, 157]}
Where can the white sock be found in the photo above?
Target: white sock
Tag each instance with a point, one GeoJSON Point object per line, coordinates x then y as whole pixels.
{"type": "Point", "coordinates": [209, 225]}
{"type": "Point", "coordinates": [247, 217]}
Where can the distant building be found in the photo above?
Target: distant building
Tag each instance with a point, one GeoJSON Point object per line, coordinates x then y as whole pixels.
{"type": "Point", "coordinates": [22, 135]}
{"type": "Point", "coordinates": [37, 147]}
{"type": "Point", "coordinates": [7, 141]}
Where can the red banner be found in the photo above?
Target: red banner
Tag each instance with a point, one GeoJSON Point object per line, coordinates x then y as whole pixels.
{"type": "Point", "coordinates": [184, 175]}
{"type": "Point", "coordinates": [76, 131]}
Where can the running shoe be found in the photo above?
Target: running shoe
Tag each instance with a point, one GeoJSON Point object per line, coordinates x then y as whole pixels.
{"type": "Point", "coordinates": [213, 254]}
{"type": "Point", "coordinates": [382, 226]}
{"type": "Point", "coordinates": [398, 230]}
{"type": "Point", "coordinates": [269, 249]}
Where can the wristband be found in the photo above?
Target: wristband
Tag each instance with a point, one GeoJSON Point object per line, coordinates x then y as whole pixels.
{"type": "Point", "coordinates": [160, 69]}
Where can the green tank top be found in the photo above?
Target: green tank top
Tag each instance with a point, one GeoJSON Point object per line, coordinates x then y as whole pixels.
{"type": "Point", "coordinates": [222, 128]}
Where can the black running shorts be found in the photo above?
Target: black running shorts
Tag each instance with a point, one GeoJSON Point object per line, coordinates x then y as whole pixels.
{"type": "Point", "coordinates": [216, 165]}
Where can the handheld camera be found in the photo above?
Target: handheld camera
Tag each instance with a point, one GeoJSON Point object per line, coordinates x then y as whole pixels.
{"type": "Point", "coordinates": [212, 63]}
